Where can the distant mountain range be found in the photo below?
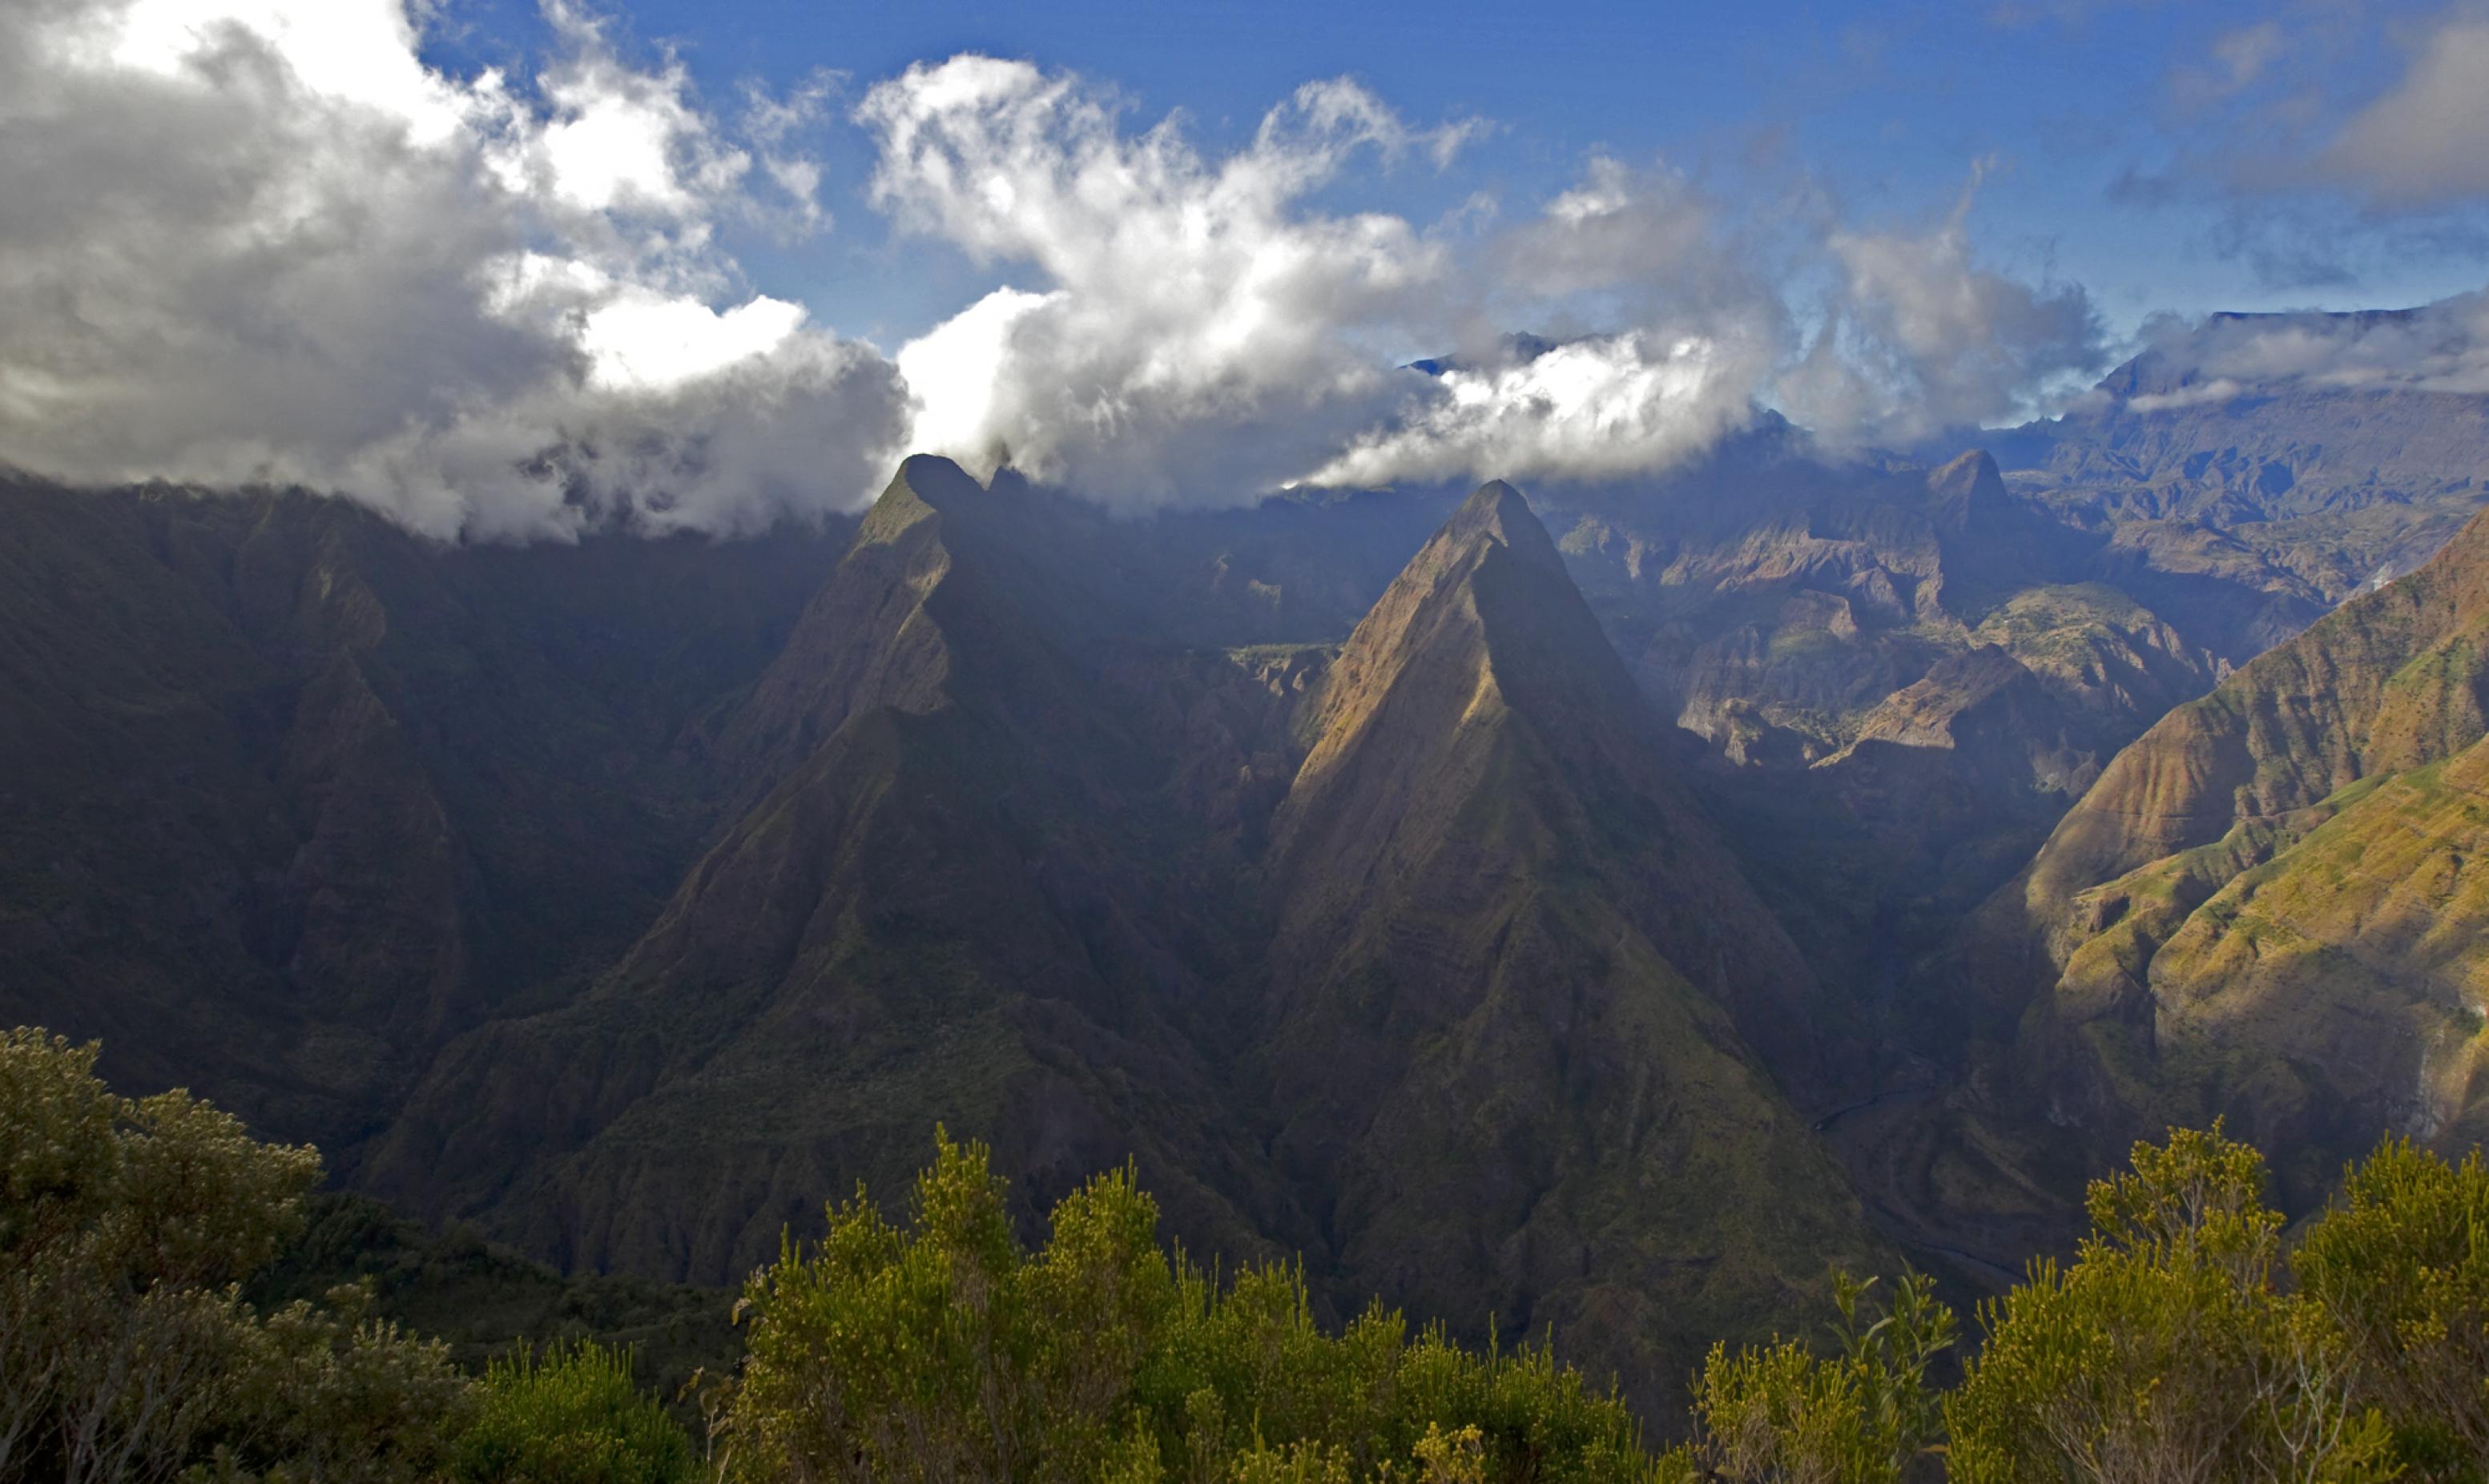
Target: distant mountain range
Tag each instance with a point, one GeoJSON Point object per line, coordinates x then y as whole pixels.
{"type": "Point", "coordinates": [1600, 907]}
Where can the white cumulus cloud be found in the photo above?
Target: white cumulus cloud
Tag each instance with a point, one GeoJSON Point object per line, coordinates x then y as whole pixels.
{"type": "Point", "coordinates": [262, 243]}
{"type": "Point", "coordinates": [259, 242]}
{"type": "Point", "coordinates": [1191, 328]}
{"type": "Point", "coordinates": [1921, 338]}
{"type": "Point", "coordinates": [1597, 409]}
{"type": "Point", "coordinates": [1176, 327]}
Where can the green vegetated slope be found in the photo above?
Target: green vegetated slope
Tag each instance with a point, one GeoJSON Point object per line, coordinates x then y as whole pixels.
{"type": "Point", "coordinates": [1526, 1013]}
{"type": "Point", "coordinates": [1420, 963]}
{"type": "Point", "coordinates": [485, 1301]}
{"type": "Point", "coordinates": [2265, 908]}
{"type": "Point", "coordinates": [292, 796]}
{"type": "Point", "coordinates": [963, 892]}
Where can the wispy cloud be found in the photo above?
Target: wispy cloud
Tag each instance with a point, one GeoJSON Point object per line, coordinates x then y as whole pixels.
{"type": "Point", "coordinates": [2237, 60]}
{"type": "Point", "coordinates": [2443, 347]}
{"type": "Point", "coordinates": [1923, 338]}
{"type": "Point", "coordinates": [2325, 143]}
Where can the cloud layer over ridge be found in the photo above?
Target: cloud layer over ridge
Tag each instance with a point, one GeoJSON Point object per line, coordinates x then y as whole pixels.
{"type": "Point", "coordinates": [263, 243]}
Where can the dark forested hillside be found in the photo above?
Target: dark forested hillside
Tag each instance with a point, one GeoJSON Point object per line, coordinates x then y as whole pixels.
{"type": "Point", "coordinates": [1546, 909]}
{"type": "Point", "coordinates": [294, 797]}
{"type": "Point", "coordinates": [1008, 865]}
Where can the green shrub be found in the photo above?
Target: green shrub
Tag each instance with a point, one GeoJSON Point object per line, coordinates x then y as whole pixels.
{"type": "Point", "coordinates": [1862, 1416]}
{"type": "Point", "coordinates": [126, 1351]}
{"type": "Point", "coordinates": [574, 1416]}
{"type": "Point", "coordinates": [941, 1350]}
{"type": "Point", "coordinates": [2165, 1350]}
{"type": "Point", "coordinates": [2399, 1267]}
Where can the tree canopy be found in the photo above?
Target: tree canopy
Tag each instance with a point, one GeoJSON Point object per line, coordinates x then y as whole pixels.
{"type": "Point", "coordinates": [2187, 1338]}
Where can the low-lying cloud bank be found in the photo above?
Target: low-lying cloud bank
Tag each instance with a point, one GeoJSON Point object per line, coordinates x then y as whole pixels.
{"type": "Point", "coordinates": [2441, 347]}
{"type": "Point", "coordinates": [260, 241]}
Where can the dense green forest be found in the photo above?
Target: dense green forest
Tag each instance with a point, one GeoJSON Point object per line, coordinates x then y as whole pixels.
{"type": "Point", "coordinates": [146, 1247]}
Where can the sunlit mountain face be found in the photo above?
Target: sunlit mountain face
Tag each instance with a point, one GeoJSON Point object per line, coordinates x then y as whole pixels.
{"type": "Point", "coordinates": [1574, 673]}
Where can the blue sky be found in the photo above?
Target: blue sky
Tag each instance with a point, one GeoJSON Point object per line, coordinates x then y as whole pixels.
{"type": "Point", "coordinates": [2100, 155]}
{"type": "Point", "coordinates": [508, 269]}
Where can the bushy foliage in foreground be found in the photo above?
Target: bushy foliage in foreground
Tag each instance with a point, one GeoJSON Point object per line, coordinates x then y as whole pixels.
{"type": "Point", "coordinates": [573, 1416]}
{"type": "Point", "coordinates": [2400, 1271]}
{"type": "Point", "coordinates": [943, 1351]}
{"type": "Point", "coordinates": [2185, 1341]}
{"type": "Point", "coordinates": [1863, 1414]}
{"type": "Point", "coordinates": [2166, 1351]}
{"type": "Point", "coordinates": [126, 1351]}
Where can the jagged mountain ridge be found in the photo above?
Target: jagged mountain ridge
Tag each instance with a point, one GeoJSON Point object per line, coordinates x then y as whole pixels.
{"type": "Point", "coordinates": [1911, 670]}
{"type": "Point", "coordinates": [928, 831]}
{"type": "Point", "coordinates": [1905, 673]}
{"type": "Point", "coordinates": [989, 892]}
{"type": "Point", "coordinates": [2264, 908]}
{"type": "Point", "coordinates": [951, 904]}
{"type": "Point", "coordinates": [2326, 485]}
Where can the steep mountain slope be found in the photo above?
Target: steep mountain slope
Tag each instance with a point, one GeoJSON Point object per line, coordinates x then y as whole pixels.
{"type": "Point", "coordinates": [292, 795]}
{"type": "Point", "coordinates": [971, 886]}
{"type": "Point", "coordinates": [1525, 1014]}
{"type": "Point", "coordinates": [2264, 908]}
{"type": "Point", "coordinates": [1480, 1016]}
{"type": "Point", "coordinates": [1905, 673]}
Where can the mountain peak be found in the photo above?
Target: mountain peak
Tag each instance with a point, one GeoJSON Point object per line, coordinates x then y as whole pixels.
{"type": "Point", "coordinates": [1969, 490]}
{"type": "Point", "coordinates": [937, 481]}
{"type": "Point", "coordinates": [1972, 475]}
{"type": "Point", "coordinates": [1497, 512]}
{"type": "Point", "coordinates": [925, 485]}
{"type": "Point", "coordinates": [1485, 876]}
{"type": "Point", "coordinates": [1517, 349]}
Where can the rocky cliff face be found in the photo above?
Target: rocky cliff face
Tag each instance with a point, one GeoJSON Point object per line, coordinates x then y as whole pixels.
{"type": "Point", "coordinates": [2263, 909]}
{"type": "Point", "coordinates": [1903, 673]}
{"type": "Point", "coordinates": [2310, 490]}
